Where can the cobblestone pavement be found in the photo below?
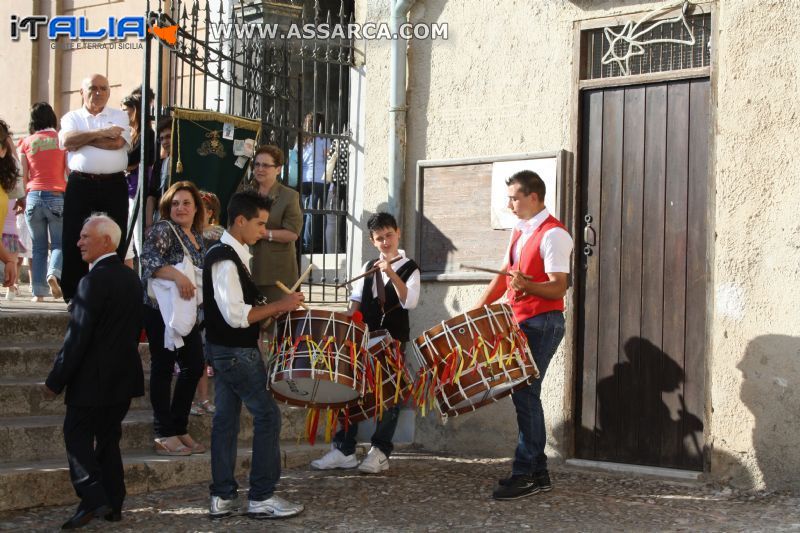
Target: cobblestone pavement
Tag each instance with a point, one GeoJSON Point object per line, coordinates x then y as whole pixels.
{"type": "Point", "coordinates": [423, 492]}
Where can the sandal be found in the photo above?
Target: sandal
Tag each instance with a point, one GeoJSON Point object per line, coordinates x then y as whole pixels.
{"type": "Point", "coordinates": [208, 407]}
{"type": "Point", "coordinates": [192, 445]}
{"type": "Point", "coordinates": [161, 448]}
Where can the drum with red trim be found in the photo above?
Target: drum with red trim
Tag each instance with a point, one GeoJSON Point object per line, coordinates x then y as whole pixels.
{"type": "Point", "coordinates": [471, 360]}
{"type": "Point", "coordinates": [387, 380]}
{"type": "Point", "coordinates": [320, 359]}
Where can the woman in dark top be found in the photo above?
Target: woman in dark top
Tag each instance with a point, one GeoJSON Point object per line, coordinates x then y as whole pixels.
{"type": "Point", "coordinates": [133, 106]}
{"type": "Point", "coordinates": [179, 232]}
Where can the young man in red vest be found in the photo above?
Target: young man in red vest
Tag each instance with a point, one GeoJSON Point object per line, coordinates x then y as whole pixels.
{"type": "Point", "coordinates": [538, 260]}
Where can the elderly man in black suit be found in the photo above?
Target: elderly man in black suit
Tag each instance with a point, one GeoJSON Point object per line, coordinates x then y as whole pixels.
{"type": "Point", "coordinates": [100, 368]}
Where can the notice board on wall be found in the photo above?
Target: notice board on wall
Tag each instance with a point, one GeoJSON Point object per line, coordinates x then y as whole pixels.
{"type": "Point", "coordinates": [462, 215]}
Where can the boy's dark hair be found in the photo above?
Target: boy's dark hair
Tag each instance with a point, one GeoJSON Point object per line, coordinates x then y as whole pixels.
{"type": "Point", "coordinates": [381, 220]}
{"type": "Point", "coordinates": [247, 204]}
{"type": "Point", "coordinates": [163, 124]}
{"type": "Point", "coordinates": [42, 117]}
{"type": "Point", "coordinates": [529, 181]}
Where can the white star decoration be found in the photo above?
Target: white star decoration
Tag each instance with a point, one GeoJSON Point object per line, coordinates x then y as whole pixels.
{"type": "Point", "coordinates": [634, 37]}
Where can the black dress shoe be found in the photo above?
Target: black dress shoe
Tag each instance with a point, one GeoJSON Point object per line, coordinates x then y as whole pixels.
{"type": "Point", "coordinates": [83, 517]}
{"type": "Point", "coordinates": [113, 516]}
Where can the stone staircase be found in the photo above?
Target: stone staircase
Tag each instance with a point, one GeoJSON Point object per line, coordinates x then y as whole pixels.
{"type": "Point", "coordinates": [33, 463]}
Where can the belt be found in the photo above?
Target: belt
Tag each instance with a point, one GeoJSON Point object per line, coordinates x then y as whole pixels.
{"type": "Point", "coordinates": [98, 177]}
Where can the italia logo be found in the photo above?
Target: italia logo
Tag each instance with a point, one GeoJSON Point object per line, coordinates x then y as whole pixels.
{"type": "Point", "coordinates": [75, 28]}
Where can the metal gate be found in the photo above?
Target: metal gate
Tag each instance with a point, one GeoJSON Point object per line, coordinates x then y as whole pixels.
{"type": "Point", "coordinates": [239, 57]}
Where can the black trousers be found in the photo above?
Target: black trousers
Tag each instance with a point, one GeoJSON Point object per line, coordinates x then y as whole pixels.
{"type": "Point", "coordinates": [171, 406]}
{"type": "Point", "coordinates": [92, 436]}
{"type": "Point", "coordinates": [82, 198]}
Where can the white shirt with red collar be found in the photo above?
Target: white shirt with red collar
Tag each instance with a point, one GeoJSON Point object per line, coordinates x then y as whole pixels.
{"type": "Point", "coordinates": [555, 248]}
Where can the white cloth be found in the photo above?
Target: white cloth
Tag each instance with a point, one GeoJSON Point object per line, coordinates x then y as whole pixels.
{"type": "Point", "coordinates": [227, 287]}
{"type": "Point", "coordinates": [412, 284]}
{"type": "Point", "coordinates": [555, 247]}
{"type": "Point", "coordinates": [179, 315]}
{"type": "Point", "coordinates": [91, 159]}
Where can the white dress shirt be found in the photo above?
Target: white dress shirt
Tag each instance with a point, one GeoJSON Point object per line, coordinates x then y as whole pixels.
{"type": "Point", "coordinates": [555, 247]}
{"type": "Point", "coordinates": [93, 263]}
{"type": "Point", "coordinates": [91, 159]}
{"type": "Point", "coordinates": [227, 287]}
{"type": "Point", "coordinates": [412, 285]}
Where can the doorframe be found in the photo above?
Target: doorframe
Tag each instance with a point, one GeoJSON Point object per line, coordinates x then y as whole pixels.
{"type": "Point", "coordinates": [572, 195]}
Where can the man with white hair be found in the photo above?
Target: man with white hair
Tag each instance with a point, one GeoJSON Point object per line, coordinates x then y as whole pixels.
{"type": "Point", "coordinates": [97, 138]}
{"type": "Point", "coordinates": [100, 368]}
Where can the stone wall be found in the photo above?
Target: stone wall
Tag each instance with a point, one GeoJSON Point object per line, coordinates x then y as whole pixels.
{"type": "Point", "coordinates": [501, 84]}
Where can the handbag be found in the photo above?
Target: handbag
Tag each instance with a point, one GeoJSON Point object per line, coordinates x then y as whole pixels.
{"type": "Point", "coordinates": [186, 267]}
{"type": "Point", "coordinates": [330, 166]}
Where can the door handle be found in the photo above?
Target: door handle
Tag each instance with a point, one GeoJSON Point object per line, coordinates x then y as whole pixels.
{"type": "Point", "coordinates": [589, 236]}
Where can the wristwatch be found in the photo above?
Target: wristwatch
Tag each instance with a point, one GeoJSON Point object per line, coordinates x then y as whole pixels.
{"type": "Point", "coordinates": [269, 236]}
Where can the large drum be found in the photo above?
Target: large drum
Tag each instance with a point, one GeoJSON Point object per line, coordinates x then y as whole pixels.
{"type": "Point", "coordinates": [320, 361]}
{"type": "Point", "coordinates": [472, 360]}
{"type": "Point", "coordinates": [386, 376]}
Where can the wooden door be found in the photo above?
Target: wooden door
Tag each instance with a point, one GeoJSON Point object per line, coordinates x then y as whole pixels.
{"type": "Point", "coordinates": [643, 276]}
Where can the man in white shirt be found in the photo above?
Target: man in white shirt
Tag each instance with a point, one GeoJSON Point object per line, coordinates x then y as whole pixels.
{"type": "Point", "coordinates": [97, 138]}
{"type": "Point", "coordinates": [538, 261]}
{"type": "Point", "coordinates": [233, 310]}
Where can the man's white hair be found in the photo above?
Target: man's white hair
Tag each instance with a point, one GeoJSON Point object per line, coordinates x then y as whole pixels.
{"type": "Point", "coordinates": [105, 226]}
{"type": "Point", "coordinates": [87, 81]}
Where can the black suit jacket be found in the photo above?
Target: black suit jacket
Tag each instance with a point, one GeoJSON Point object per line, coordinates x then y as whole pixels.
{"type": "Point", "coordinates": [99, 363]}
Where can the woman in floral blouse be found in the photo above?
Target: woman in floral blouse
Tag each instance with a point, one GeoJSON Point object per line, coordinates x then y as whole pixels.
{"type": "Point", "coordinates": [178, 232]}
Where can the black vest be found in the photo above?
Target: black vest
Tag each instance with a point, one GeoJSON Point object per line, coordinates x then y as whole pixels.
{"type": "Point", "coordinates": [217, 330]}
{"type": "Point", "coordinates": [392, 317]}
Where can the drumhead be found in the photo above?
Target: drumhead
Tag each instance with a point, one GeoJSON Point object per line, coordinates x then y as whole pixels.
{"type": "Point", "coordinates": [377, 336]}
{"type": "Point", "coordinates": [313, 391]}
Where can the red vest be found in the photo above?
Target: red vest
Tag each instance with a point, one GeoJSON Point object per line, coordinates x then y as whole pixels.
{"type": "Point", "coordinates": [532, 264]}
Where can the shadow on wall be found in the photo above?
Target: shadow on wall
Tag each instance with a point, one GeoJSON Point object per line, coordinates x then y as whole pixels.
{"type": "Point", "coordinates": [771, 376]}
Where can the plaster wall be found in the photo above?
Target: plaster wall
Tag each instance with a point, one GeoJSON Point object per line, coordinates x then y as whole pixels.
{"type": "Point", "coordinates": [501, 84]}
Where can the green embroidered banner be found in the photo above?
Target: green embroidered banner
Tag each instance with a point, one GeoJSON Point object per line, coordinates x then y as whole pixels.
{"type": "Point", "coordinates": [205, 151]}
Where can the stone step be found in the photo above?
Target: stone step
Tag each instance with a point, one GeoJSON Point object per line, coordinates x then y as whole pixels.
{"type": "Point", "coordinates": [35, 359]}
{"type": "Point", "coordinates": [23, 397]}
{"type": "Point", "coordinates": [36, 438]}
{"type": "Point", "coordinates": [41, 437]}
{"type": "Point", "coordinates": [34, 484]}
{"type": "Point", "coordinates": [32, 326]}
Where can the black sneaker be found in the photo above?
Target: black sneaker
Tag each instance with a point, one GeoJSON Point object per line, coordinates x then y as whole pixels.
{"type": "Point", "coordinates": [543, 480]}
{"type": "Point", "coordinates": [517, 486]}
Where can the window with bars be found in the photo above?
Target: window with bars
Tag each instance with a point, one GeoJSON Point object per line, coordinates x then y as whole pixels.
{"type": "Point", "coordinates": [656, 57]}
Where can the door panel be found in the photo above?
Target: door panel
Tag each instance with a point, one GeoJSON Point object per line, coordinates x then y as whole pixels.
{"type": "Point", "coordinates": [643, 288]}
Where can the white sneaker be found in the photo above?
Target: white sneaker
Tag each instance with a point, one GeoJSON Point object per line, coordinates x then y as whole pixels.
{"type": "Point", "coordinates": [221, 507]}
{"type": "Point", "coordinates": [375, 462]}
{"type": "Point", "coordinates": [274, 507]}
{"type": "Point", "coordinates": [334, 459]}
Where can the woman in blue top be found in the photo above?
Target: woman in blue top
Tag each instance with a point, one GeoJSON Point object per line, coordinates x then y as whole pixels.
{"type": "Point", "coordinates": [314, 156]}
{"type": "Point", "coordinates": [178, 233]}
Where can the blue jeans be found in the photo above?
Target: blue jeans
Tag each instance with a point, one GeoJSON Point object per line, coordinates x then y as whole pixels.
{"type": "Point", "coordinates": [44, 212]}
{"type": "Point", "coordinates": [240, 376]}
{"type": "Point", "coordinates": [544, 333]}
{"type": "Point", "coordinates": [345, 441]}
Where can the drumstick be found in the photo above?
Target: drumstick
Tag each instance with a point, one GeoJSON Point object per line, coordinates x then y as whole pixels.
{"type": "Point", "coordinates": [482, 269]}
{"type": "Point", "coordinates": [302, 278]}
{"type": "Point", "coordinates": [297, 283]}
{"type": "Point", "coordinates": [367, 273]}
{"type": "Point", "coordinates": [287, 290]}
